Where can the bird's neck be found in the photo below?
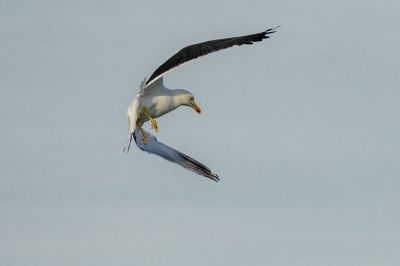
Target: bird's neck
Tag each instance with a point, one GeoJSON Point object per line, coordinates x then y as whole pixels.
{"type": "Point", "coordinates": [179, 97]}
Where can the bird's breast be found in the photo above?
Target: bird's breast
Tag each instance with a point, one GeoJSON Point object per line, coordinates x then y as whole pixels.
{"type": "Point", "coordinates": [156, 106]}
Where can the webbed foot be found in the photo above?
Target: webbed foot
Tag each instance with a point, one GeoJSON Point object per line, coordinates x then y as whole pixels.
{"type": "Point", "coordinates": [144, 139]}
{"type": "Point", "coordinates": [154, 125]}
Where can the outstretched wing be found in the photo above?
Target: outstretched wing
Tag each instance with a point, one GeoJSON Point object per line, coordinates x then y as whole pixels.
{"type": "Point", "coordinates": [196, 50]}
{"type": "Point", "coordinates": [153, 146]}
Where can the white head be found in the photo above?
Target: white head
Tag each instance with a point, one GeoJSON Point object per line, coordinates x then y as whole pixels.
{"type": "Point", "coordinates": [184, 97]}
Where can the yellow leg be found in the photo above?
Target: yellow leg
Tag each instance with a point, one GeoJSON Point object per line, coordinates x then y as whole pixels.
{"type": "Point", "coordinates": [144, 137]}
{"type": "Point", "coordinates": [153, 122]}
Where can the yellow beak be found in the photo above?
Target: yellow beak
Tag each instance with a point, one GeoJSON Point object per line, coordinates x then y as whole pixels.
{"type": "Point", "coordinates": [196, 108]}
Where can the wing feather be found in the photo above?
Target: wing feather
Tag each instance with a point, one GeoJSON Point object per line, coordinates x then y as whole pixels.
{"type": "Point", "coordinates": [153, 146]}
{"type": "Point", "coordinates": [200, 49]}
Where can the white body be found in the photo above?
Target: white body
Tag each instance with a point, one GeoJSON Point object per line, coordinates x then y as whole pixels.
{"type": "Point", "coordinates": [157, 101]}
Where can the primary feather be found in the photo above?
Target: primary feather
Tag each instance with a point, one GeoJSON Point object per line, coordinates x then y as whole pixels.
{"type": "Point", "coordinates": [153, 146]}
{"type": "Point", "coordinates": [199, 49]}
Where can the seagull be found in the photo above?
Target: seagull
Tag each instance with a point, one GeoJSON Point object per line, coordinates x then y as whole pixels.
{"type": "Point", "coordinates": [154, 100]}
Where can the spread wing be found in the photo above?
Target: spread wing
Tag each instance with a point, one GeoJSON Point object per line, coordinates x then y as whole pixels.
{"type": "Point", "coordinates": [196, 50]}
{"type": "Point", "coordinates": [153, 146]}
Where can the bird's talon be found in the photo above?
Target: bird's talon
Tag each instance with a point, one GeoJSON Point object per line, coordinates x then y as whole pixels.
{"type": "Point", "coordinates": [154, 125]}
{"type": "Point", "coordinates": [144, 139]}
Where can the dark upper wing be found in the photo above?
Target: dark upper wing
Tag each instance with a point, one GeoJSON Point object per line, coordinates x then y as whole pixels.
{"type": "Point", "coordinates": [153, 146]}
{"type": "Point", "coordinates": [196, 50]}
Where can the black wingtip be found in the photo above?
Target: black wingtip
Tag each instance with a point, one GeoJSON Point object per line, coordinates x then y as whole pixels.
{"type": "Point", "coordinates": [270, 31]}
{"type": "Point", "coordinates": [214, 177]}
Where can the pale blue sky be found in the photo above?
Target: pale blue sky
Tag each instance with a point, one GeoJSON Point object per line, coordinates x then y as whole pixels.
{"type": "Point", "coordinates": [302, 128]}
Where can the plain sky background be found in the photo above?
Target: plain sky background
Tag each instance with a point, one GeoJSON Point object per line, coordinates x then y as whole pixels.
{"type": "Point", "coordinates": [303, 129]}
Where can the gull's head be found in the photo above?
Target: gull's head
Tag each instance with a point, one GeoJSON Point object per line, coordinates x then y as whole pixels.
{"type": "Point", "coordinates": [186, 98]}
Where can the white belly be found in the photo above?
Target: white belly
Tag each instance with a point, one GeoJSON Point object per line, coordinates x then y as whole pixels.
{"type": "Point", "coordinates": [155, 106]}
